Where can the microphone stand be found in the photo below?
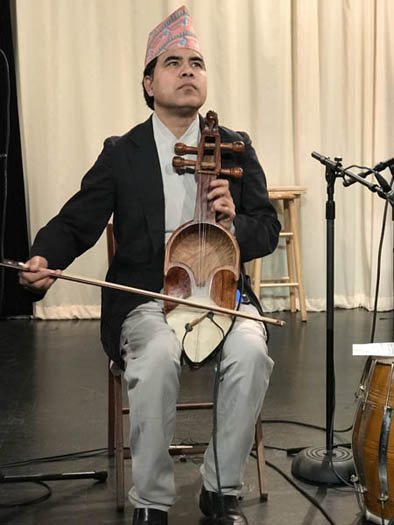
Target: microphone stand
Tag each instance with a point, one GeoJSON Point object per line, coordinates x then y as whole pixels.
{"type": "Point", "coordinates": [331, 465]}
{"type": "Point", "coordinates": [327, 465]}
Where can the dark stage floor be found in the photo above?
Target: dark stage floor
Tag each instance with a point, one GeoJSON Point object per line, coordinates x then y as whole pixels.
{"type": "Point", "coordinates": [53, 385]}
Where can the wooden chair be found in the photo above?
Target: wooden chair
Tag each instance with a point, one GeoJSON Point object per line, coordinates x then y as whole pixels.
{"type": "Point", "coordinates": [294, 280]}
{"type": "Point", "coordinates": [116, 411]}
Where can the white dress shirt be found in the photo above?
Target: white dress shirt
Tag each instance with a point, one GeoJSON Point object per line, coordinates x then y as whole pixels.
{"type": "Point", "coordinates": [179, 190]}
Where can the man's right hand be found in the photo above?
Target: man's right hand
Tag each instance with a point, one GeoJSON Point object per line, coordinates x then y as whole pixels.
{"type": "Point", "coordinates": [37, 279]}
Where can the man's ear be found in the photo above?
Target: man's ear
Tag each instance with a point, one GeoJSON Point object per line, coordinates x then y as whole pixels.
{"type": "Point", "coordinates": [148, 84]}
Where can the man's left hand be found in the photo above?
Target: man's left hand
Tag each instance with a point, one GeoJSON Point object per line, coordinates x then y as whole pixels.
{"type": "Point", "coordinates": [222, 202]}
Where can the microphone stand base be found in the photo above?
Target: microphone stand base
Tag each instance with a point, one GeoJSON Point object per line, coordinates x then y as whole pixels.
{"type": "Point", "coordinates": [317, 465]}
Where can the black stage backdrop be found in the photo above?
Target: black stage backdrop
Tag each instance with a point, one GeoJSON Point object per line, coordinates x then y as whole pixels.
{"type": "Point", "coordinates": [15, 301]}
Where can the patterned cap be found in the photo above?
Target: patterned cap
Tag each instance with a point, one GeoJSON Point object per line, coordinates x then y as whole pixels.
{"type": "Point", "coordinates": [175, 32]}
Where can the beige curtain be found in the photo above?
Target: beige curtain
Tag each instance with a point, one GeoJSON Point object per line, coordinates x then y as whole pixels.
{"type": "Point", "coordinates": [298, 75]}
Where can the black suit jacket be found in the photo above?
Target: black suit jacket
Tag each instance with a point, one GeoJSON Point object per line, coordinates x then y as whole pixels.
{"type": "Point", "coordinates": [126, 181]}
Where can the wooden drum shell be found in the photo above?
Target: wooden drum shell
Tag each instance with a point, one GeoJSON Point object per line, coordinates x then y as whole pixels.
{"type": "Point", "coordinates": [367, 441]}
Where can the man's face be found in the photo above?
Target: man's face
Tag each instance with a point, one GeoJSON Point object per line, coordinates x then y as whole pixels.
{"type": "Point", "coordinates": [179, 82]}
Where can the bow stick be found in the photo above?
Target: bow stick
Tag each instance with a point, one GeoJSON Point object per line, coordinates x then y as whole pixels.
{"type": "Point", "coordinates": [155, 295]}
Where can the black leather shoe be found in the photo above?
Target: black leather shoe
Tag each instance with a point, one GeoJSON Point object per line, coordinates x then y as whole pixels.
{"type": "Point", "coordinates": [228, 513]}
{"type": "Point", "coordinates": [151, 516]}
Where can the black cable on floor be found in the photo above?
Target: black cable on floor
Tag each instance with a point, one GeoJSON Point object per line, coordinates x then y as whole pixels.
{"type": "Point", "coordinates": [48, 459]}
{"type": "Point", "coordinates": [32, 501]}
{"type": "Point", "coordinates": [303, 424]}
{"type": "Point", "coordinates": [289, 451]}
{"type": "Point", "coordinates": [299, 489]}
{"type": "Point", "coordinates": [61, 457]}
{"type": "Point", "coordinates": [341, 479]}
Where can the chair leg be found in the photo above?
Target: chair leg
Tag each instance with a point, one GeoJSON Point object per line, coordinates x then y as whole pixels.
{"type": "Point", "coordinates": [119, 455]}
{"type": "Point", "coordinates": [261, 466]}
{"type": "Point", "coordinates": [297, 254]}
{"type": "Point", "coordinates": [256, 278]}
{"type": "Point", "coordinates": [290, 255]}
{"type": "Point", "coordinates": [111, 413]}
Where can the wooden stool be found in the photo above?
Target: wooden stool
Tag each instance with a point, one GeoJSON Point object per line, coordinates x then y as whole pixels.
{"type": "Point", "coordinates": [288, 194]}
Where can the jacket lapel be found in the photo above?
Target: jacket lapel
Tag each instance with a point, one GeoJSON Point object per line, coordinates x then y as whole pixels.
{"type": "Point", "coordinates": [145, 166]}
{"type": "Point", "coordinates": [146, 171]}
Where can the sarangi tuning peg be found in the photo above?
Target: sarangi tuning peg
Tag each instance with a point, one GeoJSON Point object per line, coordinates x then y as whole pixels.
{"type": "Point", "coordinates": [179, 162]}
{"type": "Point", "coordinates": [182, 149]}
{"type": "Point", "coordinates": [236, 173]}
{"type": "Point", "coordinates": [237, 147]}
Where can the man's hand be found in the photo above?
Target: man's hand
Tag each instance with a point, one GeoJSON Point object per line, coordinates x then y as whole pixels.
{"type": "Point", "coordinates": [222, 202]}
{"type": "Point", "coordinates": [37, 279]}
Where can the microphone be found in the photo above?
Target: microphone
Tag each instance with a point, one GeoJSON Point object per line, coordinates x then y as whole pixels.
{"type": "Point", "coordinates": [383, 183]}
{"type": "Point", "coordinates": [390, 196]}
{"type": "Point", "coordinates": [385, 191]}
{"type": "Point", "coordinates": [348, 181]}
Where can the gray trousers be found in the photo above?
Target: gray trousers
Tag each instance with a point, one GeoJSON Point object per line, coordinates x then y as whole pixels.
{"type": "Point", "coordinates": [152, 356]}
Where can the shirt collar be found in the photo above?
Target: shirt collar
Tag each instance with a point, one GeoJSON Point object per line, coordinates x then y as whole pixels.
{"type": "Point", "coordinates": [161, 130]}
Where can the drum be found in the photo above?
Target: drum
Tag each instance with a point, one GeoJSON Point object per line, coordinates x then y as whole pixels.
{"type": "Point", "coordinates": [373, 442]}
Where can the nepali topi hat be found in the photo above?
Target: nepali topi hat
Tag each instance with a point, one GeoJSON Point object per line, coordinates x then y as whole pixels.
{"type": "Point", "coordinates": [175, 32]}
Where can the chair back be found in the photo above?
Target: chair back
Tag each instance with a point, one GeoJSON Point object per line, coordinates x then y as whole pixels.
{"type": "Point", "coordinates": [111, 243]}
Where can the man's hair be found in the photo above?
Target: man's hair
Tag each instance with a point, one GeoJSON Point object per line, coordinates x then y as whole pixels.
{"type": "Point", "coordinates": [149, 71]}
